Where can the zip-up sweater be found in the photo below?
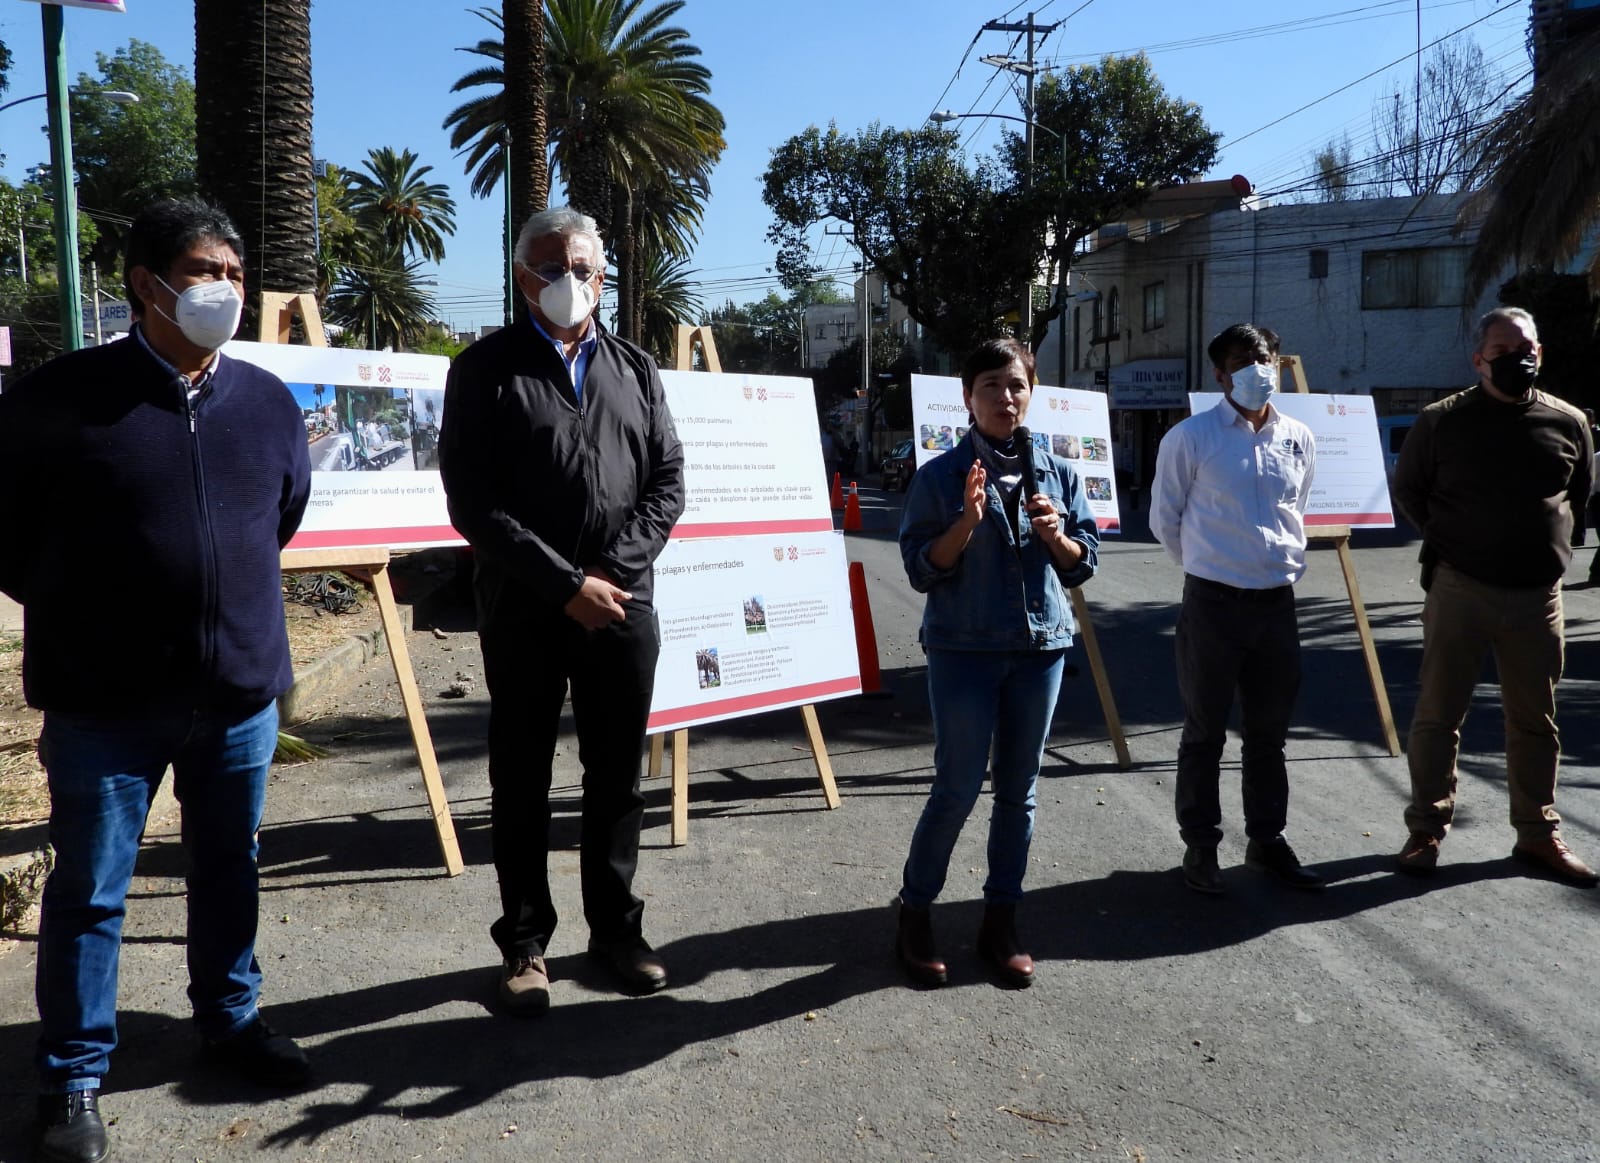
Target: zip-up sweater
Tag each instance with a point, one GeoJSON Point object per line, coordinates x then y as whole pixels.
{"type": "Point", "coordinates": [1495, 487]}
{"type": "Point", "coordinates": [141, 535]}
{"type": "Point", "coordinates": [545, 488]}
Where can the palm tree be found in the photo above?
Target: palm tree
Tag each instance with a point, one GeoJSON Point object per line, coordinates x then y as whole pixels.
{"type": "Point", "coordinates": [523, 24]}
{"type": "Point", "coordinates": [667, 298]}
{"type": "Point", "coordinates": [393, 202]}
{"type": "Point", "coordinates": [382, 299]}
{"type": "Point", "coordinates": [627, 104]}
{"type": "Point", "coordinates": [252, 80]}
{"type": "Point", "coordinates": [1539, 168]}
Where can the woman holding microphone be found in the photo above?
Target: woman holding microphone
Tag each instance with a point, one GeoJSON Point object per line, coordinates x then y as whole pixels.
{"type": "Point", "coordinates": [995, 532]}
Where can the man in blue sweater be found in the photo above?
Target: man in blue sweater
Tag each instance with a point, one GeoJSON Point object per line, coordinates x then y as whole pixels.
{"type": "Point", "coordinates": [155, 467]}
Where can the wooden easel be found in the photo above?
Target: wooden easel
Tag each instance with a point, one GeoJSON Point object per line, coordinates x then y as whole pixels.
{"type": "Point", "coordinates": [1292, 368]}
{"type": "Point", "coordinates": [683, 360]}
{"type": "Point", "coordinates": [1102, 681]}
{"type": "Point", "coordinates": [277, 311]}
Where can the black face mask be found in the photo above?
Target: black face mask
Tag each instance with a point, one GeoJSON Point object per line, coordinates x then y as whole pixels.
{"type": "Point", "coordinates": [1514, 372]}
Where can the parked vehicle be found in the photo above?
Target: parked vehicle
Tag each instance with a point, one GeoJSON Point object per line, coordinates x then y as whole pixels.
{"type": "Point", "coordinates": [1392, 431]}
{"type": "Point", "coordinates": [899, 465]}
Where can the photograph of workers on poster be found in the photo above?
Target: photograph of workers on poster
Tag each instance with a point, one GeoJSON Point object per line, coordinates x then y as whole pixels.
{"type": "Point", "coordinates": [352, 429]}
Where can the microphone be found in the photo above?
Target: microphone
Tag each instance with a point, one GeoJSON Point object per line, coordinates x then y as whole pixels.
{"type": "Point", "coordinates": [1030, 479]}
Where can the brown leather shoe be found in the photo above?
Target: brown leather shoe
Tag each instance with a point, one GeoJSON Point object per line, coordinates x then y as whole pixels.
{"type": "Point", "coordinates": [999, 946]}
{"type": "Point", "coordinates": [524, 986]}
{"type": "Point", "coordinates": [1420, 856]}
{"type": "Point", "coordinates": [913, 944]}
{"type": "Point", "coordinates": [1551, 854]}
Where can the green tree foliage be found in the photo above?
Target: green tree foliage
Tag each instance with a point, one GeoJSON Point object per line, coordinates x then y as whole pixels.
{"type": "Point", "coordinates": [951, 243]}
{"type": "Point", "coordinates": [956, 246]}
{"type": "Point", "coordinates": [394, 204]}
{"type": "Point", "coordinates": [382, 299]}
{"type": "Point", "coordinates": [667, 299]}
{"type": "Point", "coordinates": [5, 68]}
{"type": "Point", "coordinates": [128, 156]}
{"type": "Point", "coordinates": [30, 307]}
{"type": "Point", "coordinates": [1568, 314]}
{"type": "Point", "coordinates": [338, 234]}
{"type": "Point", "coordinates": [1538, 167]}
{"type": "Point", "coordinates": [632, 129]}
{"type": "Point", "coordinates": [1123, 138]}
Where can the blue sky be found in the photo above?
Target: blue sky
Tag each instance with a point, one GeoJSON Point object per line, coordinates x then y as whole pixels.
{"type": "Point", "coordinates": [383, 74]}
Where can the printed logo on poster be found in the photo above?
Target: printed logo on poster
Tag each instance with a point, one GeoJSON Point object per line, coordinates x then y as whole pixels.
{"type": "Point", "coordinates": [385, 374]}
{"type": "Point", "coordinates": [748, 391]}
{"type": "Point", "coordinates": [364, 372]}
{"type": "Point", "coordinates": [777, 553]}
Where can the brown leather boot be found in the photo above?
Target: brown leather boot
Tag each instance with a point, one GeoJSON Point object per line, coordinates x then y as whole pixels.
{"type": "Point", "coordinates": [998, 945]}
{"type": "Point", "coordinates": [913, 944]}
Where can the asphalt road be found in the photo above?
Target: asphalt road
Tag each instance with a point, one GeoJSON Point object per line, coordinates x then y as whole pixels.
{"type": "Point", "coordinates": [1385, 1018]}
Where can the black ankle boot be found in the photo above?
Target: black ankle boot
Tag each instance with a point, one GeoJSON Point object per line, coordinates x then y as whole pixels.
{"type": "Point", "coordinates": [913, 944]}
{"type": "Point", "coordinates": [999, 946]}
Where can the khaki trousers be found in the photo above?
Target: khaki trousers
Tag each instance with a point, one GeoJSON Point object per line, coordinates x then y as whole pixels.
{"type": "Point", "coordinates": [1462, 619]}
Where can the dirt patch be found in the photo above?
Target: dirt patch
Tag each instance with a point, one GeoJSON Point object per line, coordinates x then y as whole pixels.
{"type": "Point", "coordinates": [24, 798]}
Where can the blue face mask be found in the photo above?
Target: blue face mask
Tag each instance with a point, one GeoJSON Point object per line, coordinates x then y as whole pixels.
{"type": "Point", "coordinates": [1252, 386]}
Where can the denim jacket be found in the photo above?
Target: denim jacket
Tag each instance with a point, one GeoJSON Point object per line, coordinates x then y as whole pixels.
{"type": "Point", "coordinates": [1000, 594]}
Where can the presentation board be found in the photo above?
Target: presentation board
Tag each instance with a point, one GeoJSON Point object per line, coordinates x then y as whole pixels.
{"type": "Point", "coordinates": [752, 454]}
{"type": "Point", "coordinates": [1350, 485]}
{"type": "Point", "coordinates": [1073, 424]}
{"type": "Point", "coordinates": [753, 590]}
{"type": "Point", "coordinates": [372, 428]}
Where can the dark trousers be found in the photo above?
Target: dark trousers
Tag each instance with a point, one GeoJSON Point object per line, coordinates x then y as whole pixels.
{"type": "Point", "coordinates": [1227, 640]}
{"type": "Point", "coordinates": [612, 673]}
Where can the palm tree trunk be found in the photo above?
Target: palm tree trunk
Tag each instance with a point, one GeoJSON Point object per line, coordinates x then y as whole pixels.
{"type": "Point", "coordinates": [627, 267]}
{"type": "Point", "coordinates": [252, 79]}
{"type": "Point", "coordinates": [525, 107]}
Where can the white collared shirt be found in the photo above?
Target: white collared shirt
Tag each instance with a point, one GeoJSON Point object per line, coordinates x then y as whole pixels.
{"type": "Point", "coordinates": [1229, 502]}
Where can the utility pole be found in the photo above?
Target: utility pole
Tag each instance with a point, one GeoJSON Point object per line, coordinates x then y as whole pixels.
{"type": "Point", "coordinates": [69, 297]}
{"type": "Point", "coordinates": [1028, 69]}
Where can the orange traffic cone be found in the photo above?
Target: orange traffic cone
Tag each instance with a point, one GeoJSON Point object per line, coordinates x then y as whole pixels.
{"type": "Point", "coordinates": [836, 497]}
{"type": "Point", "coordinates": [852, 511]}
{"type": "Point", "coordinates": [866, 636]}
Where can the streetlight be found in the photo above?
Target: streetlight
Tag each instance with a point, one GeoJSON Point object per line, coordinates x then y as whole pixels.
{"type": "Point", "coordinates": [944, 117]}
{"type": "Point", "coordinates": [115, 96]}
{"type": "Point", "coordinates": [68, 289]}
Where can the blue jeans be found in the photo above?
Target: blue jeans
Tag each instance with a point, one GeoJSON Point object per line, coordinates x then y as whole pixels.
{"type": "Point", "coordinates": [1007, 697]}
{"type": "Point", "coordinates": [104, 772]}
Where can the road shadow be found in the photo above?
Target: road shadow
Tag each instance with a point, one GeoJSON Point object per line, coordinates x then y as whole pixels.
{"type": "Point", "coordinates": [380, 1039]}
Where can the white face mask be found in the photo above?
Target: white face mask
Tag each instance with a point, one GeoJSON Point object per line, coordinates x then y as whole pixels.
{"type": "Point", "coordinates": [1253, 385]}
{"type": "Point", "coordinates": [208, 313]}
{"type": "Point", "coordinates": [567, 302]}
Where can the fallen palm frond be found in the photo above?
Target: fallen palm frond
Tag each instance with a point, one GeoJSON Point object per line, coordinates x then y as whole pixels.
{"type": "Point", "coordinates": [293, 749]}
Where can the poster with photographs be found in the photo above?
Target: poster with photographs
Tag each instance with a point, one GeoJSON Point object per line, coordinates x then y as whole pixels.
{"type": "Point", "coordinates": [372, 423]}
{"type": "Point", "coordinates": [1350, 484]}
{"type": "Point", "coordinates": [1072, 424]}
{"type": "Point", "coordinates": [751, 623]}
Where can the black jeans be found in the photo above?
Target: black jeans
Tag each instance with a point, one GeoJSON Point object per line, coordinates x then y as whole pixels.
{"type": "Point", "coordinates": [612, 673]}
{"type": "Point", "coordinates": [1247, 640]}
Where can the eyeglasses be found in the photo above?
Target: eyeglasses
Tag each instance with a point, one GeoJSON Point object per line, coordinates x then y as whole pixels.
{"type": "Point", "coordinates": [551, 271]}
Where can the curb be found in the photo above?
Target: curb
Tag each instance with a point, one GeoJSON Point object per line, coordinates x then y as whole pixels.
{"type": "Point", "coordinates": [333, 670]}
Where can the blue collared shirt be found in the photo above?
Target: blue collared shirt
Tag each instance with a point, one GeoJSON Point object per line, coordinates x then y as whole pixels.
{"type": "Point", "coordinates": [1229, 502]}
{"type": "Point", "coordinates": [578, 366]}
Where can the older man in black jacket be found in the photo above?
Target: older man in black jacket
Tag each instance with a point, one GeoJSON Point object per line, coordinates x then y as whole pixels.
{"type": "Point", "coordinates": [564, 471]}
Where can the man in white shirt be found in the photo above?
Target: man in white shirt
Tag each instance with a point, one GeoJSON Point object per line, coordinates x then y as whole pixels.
{"type": "Point", "coordinates": [1229, 506]}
